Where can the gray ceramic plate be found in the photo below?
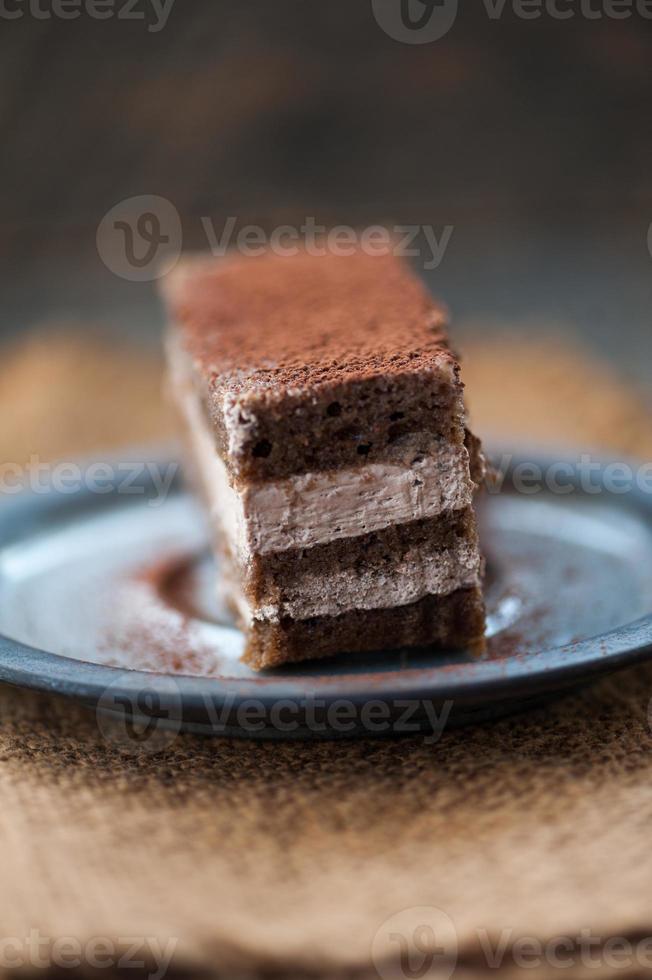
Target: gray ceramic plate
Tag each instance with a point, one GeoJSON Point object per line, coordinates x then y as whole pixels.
{"type": "Point", "coordinates": [109, 598]}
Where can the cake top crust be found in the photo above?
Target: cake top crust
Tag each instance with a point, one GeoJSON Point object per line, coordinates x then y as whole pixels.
{"type": "Point", "coordinates": [254, 323]}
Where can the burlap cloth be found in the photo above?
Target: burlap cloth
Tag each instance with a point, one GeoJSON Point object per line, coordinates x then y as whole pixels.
{"type": "Point", "coordinates": [288, 859]}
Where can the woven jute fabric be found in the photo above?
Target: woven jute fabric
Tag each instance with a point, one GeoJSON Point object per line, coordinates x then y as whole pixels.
{"type": "Point", "coordinates": [245, 859]}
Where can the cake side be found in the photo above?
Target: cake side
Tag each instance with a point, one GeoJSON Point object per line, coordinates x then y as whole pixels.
{"type": "Point", "coordinates": [361, 536]}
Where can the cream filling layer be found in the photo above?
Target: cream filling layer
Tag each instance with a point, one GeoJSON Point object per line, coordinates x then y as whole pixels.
{"type": "Point", "coordinates": [314, 508]}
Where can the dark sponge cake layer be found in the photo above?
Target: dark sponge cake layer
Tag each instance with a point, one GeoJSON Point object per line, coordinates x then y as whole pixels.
{"type": "Point", "coordinates": [278, 576]}
{"type": "Point", "coordinates": [344, 426]}
{"type": "Point", "coordinates": [455, 621]}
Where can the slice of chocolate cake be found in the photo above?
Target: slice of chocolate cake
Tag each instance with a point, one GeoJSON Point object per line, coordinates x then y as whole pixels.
{"type": "Point", "coordinates": [324, 412]}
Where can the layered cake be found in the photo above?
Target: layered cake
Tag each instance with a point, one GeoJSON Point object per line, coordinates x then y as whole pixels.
{"type": "Point", "coordinates": [324, 412]}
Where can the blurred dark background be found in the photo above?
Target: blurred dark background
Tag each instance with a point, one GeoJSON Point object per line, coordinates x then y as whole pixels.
{"type": "Point", "coordinates": [532, 138]}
